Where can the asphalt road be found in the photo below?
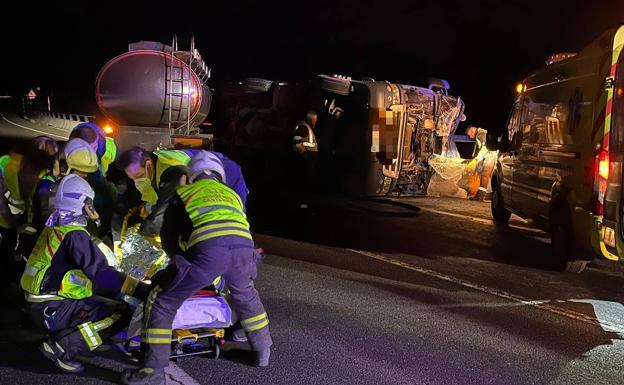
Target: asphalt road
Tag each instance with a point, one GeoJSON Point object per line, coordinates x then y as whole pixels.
{"type": "Point", "coordinates": [369, 293]}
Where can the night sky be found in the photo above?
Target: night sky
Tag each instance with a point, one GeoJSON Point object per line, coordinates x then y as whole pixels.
{"type": "Point", "coordinates": [482, 47]}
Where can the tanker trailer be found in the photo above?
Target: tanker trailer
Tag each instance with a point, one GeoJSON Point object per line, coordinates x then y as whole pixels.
{"type": "Point", "coordinates": [156, 95]}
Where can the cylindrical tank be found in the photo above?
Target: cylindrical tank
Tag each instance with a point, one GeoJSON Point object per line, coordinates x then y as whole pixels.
{"type": "Point", "coordinates": [134, 89]}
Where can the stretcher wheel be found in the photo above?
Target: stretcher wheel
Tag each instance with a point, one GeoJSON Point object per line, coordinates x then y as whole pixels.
{"type": "Point", "coordinates": [217, 351]}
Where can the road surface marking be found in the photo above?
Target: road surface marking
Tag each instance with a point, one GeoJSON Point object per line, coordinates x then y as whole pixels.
{"type": "Point", "coordinates": [477, 219]}
{"type": "Point", "coordinates": [606, 325]}
{"type": "Point", "coordinates": [32, 129]}
{"type": "Point", "coordinates": [175, 375]}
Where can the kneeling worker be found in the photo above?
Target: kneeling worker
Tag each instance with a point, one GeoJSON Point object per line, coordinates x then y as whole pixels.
{"type": "Point", "coordinates": [205, 227]}
{"type": "Point", "coordinates": [61, 275]}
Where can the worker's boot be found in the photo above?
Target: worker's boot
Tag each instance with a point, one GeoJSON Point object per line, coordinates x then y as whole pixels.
{"type": "Point", "coordinates": [263, 357]}
{"type": "Point", "coordinates": [480, 197]}
{"type": "Point", "coordinates": [143, 376]}
{"type": "Point", "coordinates": [55, 353]}
{"type": "Point", "coordinates": [239, 335]}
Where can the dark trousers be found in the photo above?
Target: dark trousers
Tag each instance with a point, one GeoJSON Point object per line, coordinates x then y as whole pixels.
{"type": "Point", "coordinates": [81, 325]}
{"type": "Point", "coordinates": [205, 262]}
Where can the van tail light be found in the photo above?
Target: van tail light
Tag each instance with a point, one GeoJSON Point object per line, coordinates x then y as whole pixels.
{"type": "Point", "coordinates": [601, 177]}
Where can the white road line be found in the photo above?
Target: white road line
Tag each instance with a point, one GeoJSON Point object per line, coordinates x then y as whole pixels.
{"type": "Point", "coordinates": [175, 375]}
{"type": "Point", "coordinates": [476, 219]}
{"type": "Point", "coordinates": [32, 129]}
{"type": "Point", "coordinates": [606, 325]}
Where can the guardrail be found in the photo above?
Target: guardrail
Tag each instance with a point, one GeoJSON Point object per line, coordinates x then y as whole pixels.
{"type": "Point", "coordinates": [58, 120]}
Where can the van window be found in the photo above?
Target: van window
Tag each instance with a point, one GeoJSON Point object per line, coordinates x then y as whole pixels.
{"type": "Point", "coordinates": [514, 121]}
{"type": "Point", "coordinates": [617, 128]}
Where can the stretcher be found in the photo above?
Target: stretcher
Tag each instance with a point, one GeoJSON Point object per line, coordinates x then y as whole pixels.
{"type": "Point", "coordinates": [198, 328]}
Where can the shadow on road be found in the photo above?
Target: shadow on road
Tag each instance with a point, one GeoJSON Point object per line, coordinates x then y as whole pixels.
{"type": "Point", "coordinates": [388, 227]}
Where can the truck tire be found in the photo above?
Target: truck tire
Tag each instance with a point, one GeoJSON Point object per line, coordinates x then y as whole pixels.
{"type": "Point", "coordinates": [564, 247]}
{"type": "Point", "coordinates": [335, 86]}
{"type": "Point", "coordinates": [499, 213]}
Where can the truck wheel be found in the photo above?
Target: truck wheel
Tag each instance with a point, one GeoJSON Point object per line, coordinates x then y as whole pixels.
{"type": "Point", "coordinates": [500, 214]}
{"type": "Point", "coordinates": [334, 85]}
{"type": "Point", "coordinates": [563, 247]}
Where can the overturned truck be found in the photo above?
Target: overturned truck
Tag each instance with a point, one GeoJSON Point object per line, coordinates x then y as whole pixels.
{"type": "Point", "coordinates": [374, 137]}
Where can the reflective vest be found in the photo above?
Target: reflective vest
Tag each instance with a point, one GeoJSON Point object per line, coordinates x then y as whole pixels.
{"type": "Point", "coordinates": [109, 154]}
{"type": "Point", "coordinates": [215, 211]}
{"type": "Point", "coordinates": [481, 138]}
{"type": "Point", "coordinates": [11, 167]}
{"type": "Point", "coordinates": [74, 285]}
{"type": "Point", "coordinates": [169, 158]}
{"type": "Point", "coordinates": [4, 160]}
{"type": "Point", "coordinates": [308, 142]}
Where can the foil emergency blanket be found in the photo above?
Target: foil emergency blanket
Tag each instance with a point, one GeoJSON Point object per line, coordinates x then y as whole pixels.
{"type": "Point", "coordinates": [140, 258]}
{"type": "Point", "coordinates": [448, 173]}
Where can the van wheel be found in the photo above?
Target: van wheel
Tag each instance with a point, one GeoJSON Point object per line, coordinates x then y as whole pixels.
{"type": "Point", "coordinates": [563, 247]}
{"type": "Point", "coordinates": [500, 214]}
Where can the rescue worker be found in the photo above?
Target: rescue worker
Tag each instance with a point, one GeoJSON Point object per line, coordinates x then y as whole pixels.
{"type": "Point", "coordinates": [82, 160]}
{"type": "Point", "coordinates": [28, 176]}
{"type": "Point", "coordinates": [24, 171]}
{"type": "Point", "coordinates": [62, 275]}
{"type": "Point", "coordinates": [486, 160]}
{"type": "Point", "coordinates": [104, 146]}
{"type": "Point", "coordinates": [304, 139]}
{"type": "Point", "coordinates": [147, 168]}
{"type": "Point", "coordinates": [206, 229]}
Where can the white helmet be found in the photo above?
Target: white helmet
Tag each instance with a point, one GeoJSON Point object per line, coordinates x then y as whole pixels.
{"type": "Point", "coordinates": [72, 193]}
{"type": "Point", "coordinates": [80, 156]}
{"type": "Point", "coordinates": [206, 161]}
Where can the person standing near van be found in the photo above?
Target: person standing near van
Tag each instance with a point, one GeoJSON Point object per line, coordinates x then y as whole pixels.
{"type": "Point", "coordinates": [486, 161]}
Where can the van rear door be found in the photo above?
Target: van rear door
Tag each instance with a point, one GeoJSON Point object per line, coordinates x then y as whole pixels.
{"type": "Point", "coordinates": [612, 231]}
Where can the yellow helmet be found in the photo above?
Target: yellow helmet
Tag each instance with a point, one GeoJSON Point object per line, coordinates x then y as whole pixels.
{"type": "Point", "coordinates": [80, 156]}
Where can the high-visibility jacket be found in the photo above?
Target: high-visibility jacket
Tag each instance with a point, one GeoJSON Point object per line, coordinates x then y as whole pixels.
{"type": "Point", "coordinates": [75, 284]}
{"type": "Point", "coordinates": [80, 267]}
{"type": "Point", "coordinates": [215, 210]}
{"type": "Point", "coordinates": [11, 165]}
{"type": "Point", "coordinates": [481, 149]}
{"type": "Point", "coordinates": [109, 156]}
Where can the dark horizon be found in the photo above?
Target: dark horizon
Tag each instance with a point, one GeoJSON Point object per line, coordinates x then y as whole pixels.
{"type": "Point", "coordinates": [483, 48]}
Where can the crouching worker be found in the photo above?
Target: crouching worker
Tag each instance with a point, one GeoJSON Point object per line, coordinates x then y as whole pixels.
{"type": "Point", "coordinates": [206, 231]}
{"type": "Point", "coordinates": [62, 273]}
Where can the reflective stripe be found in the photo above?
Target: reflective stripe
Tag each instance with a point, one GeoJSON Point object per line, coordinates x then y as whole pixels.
{"type": "Point", "coordinates": [156, 336]}
{"type": "Point", "coordinates": [149, 304]}
{"type": "Point", "coordinates": [216, 281]}
{"type": "Point", "coordinates": [30, 270]}
{"type": "Point", "coordinates": [42, 298]}
{"type": "Point", "coordinates": [257, 326]}
{"type": "Point", "coordinates": [216, 234]}
{"type": "Point", "coordinates": [90, 336]}
{"type": "Point", "coordinates": [254, 319]}
{"type": "Point", "coordinates": [154, 340]}
{"type": "Point", "coordinates": [129, 285]}
{"type": "Point", "coordinates": [202, 230]}
{"type": "Point", "coordinates": [106, 322]}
